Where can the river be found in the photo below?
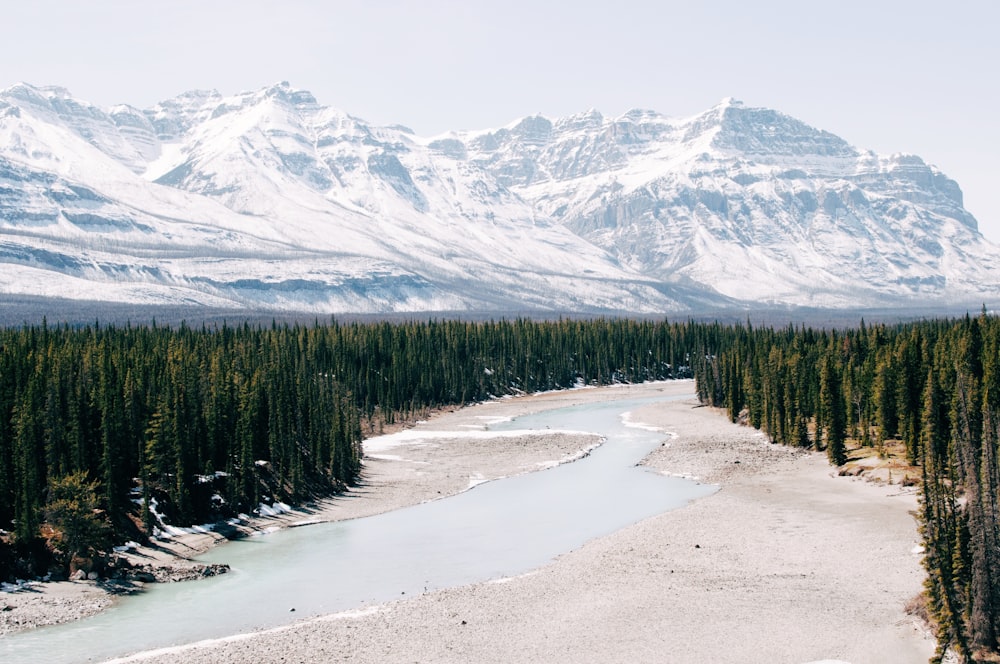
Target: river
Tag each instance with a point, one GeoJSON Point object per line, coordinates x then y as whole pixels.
{"type": "Point", "coordinates": [495, 530]}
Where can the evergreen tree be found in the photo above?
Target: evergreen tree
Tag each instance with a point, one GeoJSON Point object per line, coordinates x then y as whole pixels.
{"type": "Point", "coordinates": [75, 526]}
{"type": "Point", "coordinates": [833, 415]}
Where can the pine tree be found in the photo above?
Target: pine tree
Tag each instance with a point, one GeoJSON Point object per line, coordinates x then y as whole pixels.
{"type": "Point", "coordinates": [29, 456]}
{"type": "Point", "coordinates": [76, 527]}
{"type": "Point", "coordinates": [833, 413]}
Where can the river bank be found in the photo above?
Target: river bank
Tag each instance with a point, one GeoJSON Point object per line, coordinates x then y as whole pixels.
{"type": "Point", "coordinates": [786, 563]}
{"type": "Point", "coordinates": [459, 458]}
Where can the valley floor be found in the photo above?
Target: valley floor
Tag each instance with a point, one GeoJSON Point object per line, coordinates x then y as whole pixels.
{"type": "Point", "coordinates": [785, 563]}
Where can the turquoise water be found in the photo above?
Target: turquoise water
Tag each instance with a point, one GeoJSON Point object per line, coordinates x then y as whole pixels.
{"type": "Point", "coordinates": [498, 529]}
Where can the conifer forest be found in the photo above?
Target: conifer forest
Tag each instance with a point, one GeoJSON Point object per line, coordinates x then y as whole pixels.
{"type": "Point", "coordinates": [935, 387]}
{"type": "Point", "coordinates": [105, 431]}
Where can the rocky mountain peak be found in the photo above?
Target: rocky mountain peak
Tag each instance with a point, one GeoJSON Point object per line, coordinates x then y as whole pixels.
{"type": "Point", "coordinates": [268, 199]}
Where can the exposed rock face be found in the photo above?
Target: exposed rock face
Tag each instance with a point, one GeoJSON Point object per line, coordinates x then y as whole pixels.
{"type": "Point", "coordinates": [268, 200]}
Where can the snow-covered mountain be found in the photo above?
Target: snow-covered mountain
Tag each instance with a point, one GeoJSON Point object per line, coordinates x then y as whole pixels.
{"type": "Point", "coordinates": [748, 202]}
{"type": "Point", "coordinates": [268, 200]}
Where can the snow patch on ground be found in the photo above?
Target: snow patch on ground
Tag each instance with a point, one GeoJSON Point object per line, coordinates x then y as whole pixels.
{"type": "Point", "coordinates": [507, 579]}
{"type": "Point", "coordinates": [683, 476]}
{"type": "Point", "coordinates": [389, 441]}
{"type": "Point", "coordinates": [626, 419]}
{"type": "Point", "coordinates": [385, 457]}
{"type": "Point", "coordinates": [19, 586]}
{"type": "Point", "coordinates": [273, 510]}
{"type": "Point", "coordinates": [210, 643]}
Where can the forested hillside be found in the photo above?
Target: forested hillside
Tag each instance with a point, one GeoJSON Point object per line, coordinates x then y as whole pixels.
{"type": "Point", "coordinates": [934, 386]}
{"type": "Point", "coordinates": [201, 425]}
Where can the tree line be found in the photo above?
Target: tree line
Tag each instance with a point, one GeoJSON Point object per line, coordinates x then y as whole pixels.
{"type": "Point", "coordinates": [107, 433]}
{"type": "Point", "coordinates": [934, 386]}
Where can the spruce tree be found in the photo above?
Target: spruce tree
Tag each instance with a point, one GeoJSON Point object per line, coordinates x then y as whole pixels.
{"type": "Point", "coordinates": [833, 413]}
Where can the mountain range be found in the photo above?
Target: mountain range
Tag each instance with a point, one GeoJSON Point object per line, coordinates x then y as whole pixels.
{"type": "Point", "coordinates": [270, 201]}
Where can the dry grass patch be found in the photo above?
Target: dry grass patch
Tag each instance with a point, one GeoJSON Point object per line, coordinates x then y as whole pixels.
{"type": "Point", "coordinates": [888, 465]}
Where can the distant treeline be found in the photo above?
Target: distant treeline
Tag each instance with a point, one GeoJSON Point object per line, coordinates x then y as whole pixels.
{"type": "Point", "coordinates": [203, 424]}
{"type": "Point", "coordinates": [933, 385]}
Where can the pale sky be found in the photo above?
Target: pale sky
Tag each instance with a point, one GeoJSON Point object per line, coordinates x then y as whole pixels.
{"type": "Point", "coordinates": [893, 76]}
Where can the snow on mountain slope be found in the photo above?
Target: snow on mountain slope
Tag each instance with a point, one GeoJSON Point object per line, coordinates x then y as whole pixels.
{"type": "Point", "coordinates": [275, 153]}
{"type": "Point", "coordinates": [268, 200]}
{"type": "Point", "coordinates": [274, 202]}
{"type": "Point", "coordinates": [749, 202]}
